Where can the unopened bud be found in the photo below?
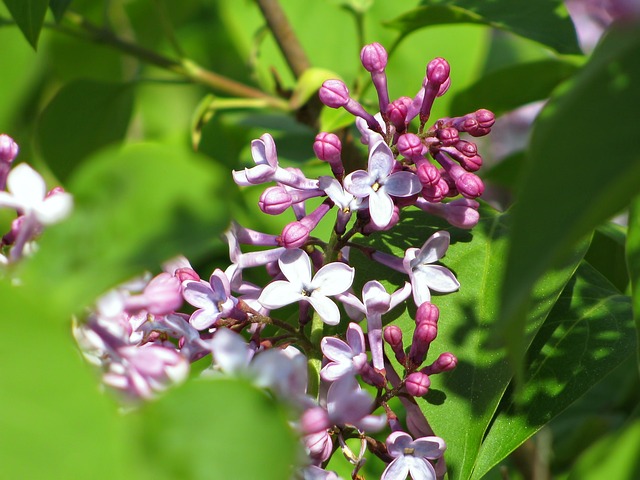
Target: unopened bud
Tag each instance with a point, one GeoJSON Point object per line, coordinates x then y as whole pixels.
{"type": "Point", "coordinates": [423, 335]}
{"type": "Point", "coordinates": [410, 146]}
{"type": "Point", "coordinates": [274, 200]}
{"type": "Point", "coordinates": [417, 384]}
{"type": "Point", "coordinates": [438, 71]}
{"type": "Point", "coordinates": [334, 93]}
{"type": "Point", "coordinates": [294, 235]}
{"type": "Point", "coordinates": [374, 57]}
{"type": "Point", "coordinates": [448, 136]}
{"type": "Point", "coordinates": [427, 313]}
{"type": "Point", "coordinates": [327, 147]}
{"type": "Point", "coordinates": [185, 273]}
{"type": "Point", "coordinates": [8, 149]}
{"type": "Point", "coordinates": [444, 363]}
{"type": "Point", "coordinates": [397, 112]}
{"type": "Point", "coordinates": [393, 336]}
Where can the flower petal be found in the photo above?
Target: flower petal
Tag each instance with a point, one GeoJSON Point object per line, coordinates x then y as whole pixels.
{"type": "Point", "coordinates": [296, 266]}
{"type": "Point", "coordinates": [54, 208]}
{"type": "Point", "coordinates": [437, 278]}
{"type": "Point", "coordinates": [402, 184]}
{"type": "Point", "coordinates": [419, 468]}
{"type": "Point", "coordinates": [230, 352]}
{"type": "Point", "coordinates": [433, 249]}
{"type": "Point", "coordinates": [396, 470]}
{"type": "Point", "coordinates": [333, 278]}
{"type": "Point", "coordinates": [336, 350]}
{"type": "Point", "coordinates": [355, 338]}
{"type": "Point", "coordinates": [26, 185]}
{"type": "Point", "coordinates": [358, 183]}
{"type": "Point", "coordinates": [327, 310]}
{"type": "Point", "coordinates": [380, 161]}
{"type": "Point", "coordinates": [380, 208]}
{"type": "Point", "coordinates": [198, 294]}
{"type": "Point", "coordinates": [278, 294]}
{"type": "Point", "coordinates": [375, 297]}
{"type": "Point", "coordinates": [429, 447]}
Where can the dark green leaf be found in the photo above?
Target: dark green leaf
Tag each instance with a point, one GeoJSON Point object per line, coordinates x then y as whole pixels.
{"type": "Point", "coordinates": [576, 179]}
{"type": "Point", "coordinates": [135, 208]}
{"type": "Point", "coordinates": [588, 334]}
{"type": "Point", "coordinates": [503, 90]}
{"type": "Point", "coordinates": [607, 254]}
{"type": "Point", "coordinates": [29, 16]}
{"type": "Point", "coordinates": [219, 428]}
{"type": "Point", "coordinates": [83, 117]}
{"type": "Point", "coordinates": [463, 401]}
{"type": "Point", "coordinates": [545, 21]}
{"type": "Point", "coordinates": [58, 7]}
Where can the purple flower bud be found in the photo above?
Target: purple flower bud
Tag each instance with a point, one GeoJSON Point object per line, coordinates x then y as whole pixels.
{"type": "Point", "coordinates": [427, 312]}
{"type": "Point", "coordinates": [410, 146]}
{"type": "Point", "coordinates": [437, 192]}
{"type": "Point", "coordinates": [327, 147]}
{"type": "Point", "coordinates": [448, 136]}
{"type": "Point", "coordinates": [372, 377]}
{"type": "Point", "coordinates": [444, 87]}
{"type": "Point", "coordinates": [163, 294]}
{"type": "Point", "coordinates": [315, 419]}
{"type": "Point", "coordinates": [334, 93]}
{"type": "Point", "coordinates": [438, 71]}
{"type": "Point", "coordinates": [374, 57]}
{"type": "Point", "coordinates": [485, 118]}
{"type": "Point", "coordinates": [274, 200]}
{"type": "Point", "coordinates": [393, 336]}
{"type": "Point", "coordinates": [423, 335]}
{"type": "Point", "coordinates": [8, 149]}
{"type": "Point", "coordinates": [461, 213]}
{"type": "Point", "coordinates": [444, 363]}
{"type": "Point", "coordinates": [427, 172]}
{"type": "Point", "coordinates": [468, 149]}
{"type": "Point", "coordinates": [469, 185]}
{"type": "Point", "coordinates": [294, 235]}
{"type": "Point", "coordinates": [187, 274]}
{"type": "Point", "coordinates": [397, 113]}
{"type": "Point", "coordinates": [417, 384]}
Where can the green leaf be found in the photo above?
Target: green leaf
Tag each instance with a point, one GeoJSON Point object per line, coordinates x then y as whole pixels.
{"type": "Point", "coordinates": [498, 90]}
{"type": "Point", "coordinates": [83, 117]}
{"type": "Point", "coordinates": [221, 428]}
{"type": "Point", "coordinates": [545, 21]}
{"type": "Point", "coordinates": [460, 404]}
{"type": "Point", "coordinates": [29, 16]}
{"type": "Point", "coordinates": [568, 189]}
{"type": "Point", "coordinates": [633, 261]}
{"type": "Point", "coordinates": [50, 407]}
{"type": "Point", "coordinates": [588, 334]}
{"type": "Point", "coordinates": [614, 456]}
{"type": "Point", "coordinates": [308, 84]}
{"type": "Point", "coordinates": [607, 254]}
{"type": "Point", "coordinates": [134, 208]}
{"type": "Point", "coordinates": [58, 7]}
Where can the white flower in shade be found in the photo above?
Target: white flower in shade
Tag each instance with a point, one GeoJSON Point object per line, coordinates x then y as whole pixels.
{"type": "Point", "coordinates": [410, 456]}
{"type": "Point", "coordinates": [27, 193]}
{"type": "Point", "coordinates": [295, 265]}
{"type": "Point", "coordinates": [424, 276]}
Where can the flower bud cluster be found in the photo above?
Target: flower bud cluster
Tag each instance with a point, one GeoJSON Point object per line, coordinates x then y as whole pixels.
{"type": "Point", "coordinates": [24, 191]}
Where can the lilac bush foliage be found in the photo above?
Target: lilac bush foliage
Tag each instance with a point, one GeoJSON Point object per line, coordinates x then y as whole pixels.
{"type": "Point", "coordinates": [144, 335]}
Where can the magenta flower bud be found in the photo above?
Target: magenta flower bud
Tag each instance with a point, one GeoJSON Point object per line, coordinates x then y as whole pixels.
{"type": "Point", "coordinates": [427, 172]}
{"type": "Point", "coordinates": [397, 113]}
{"type": "Point", "coordinates": [393, 336]}
{"type": "Point", "coordinates": [437, 192]}
{"type": "Point", "coordinates": [468, 149]}
{"type": "Point", "coordinates": [163, 294]}
{"type": "Point", "coordinates": [334, 94]}
{"type": "Point", "coordinates": [485, 118]}
{"type": "Point", "coordinates": [294, 235]}
{"type": "Point", "coordinates": [469, 185]}
{"type": "Point", "coordinates": [274, 200]}
{"type": "Point", "coordinates": [427, 312]}
{"type": "Point", "coordinates": [8, 149]}
{"type": "Point", "coordinates": [372, 377]}
{"type": "Point", "coordinates": [417, 384]}
{"type": "Point", "coordinates": [423, 335]}
{"type": "Point", "coordinates": [410, 146]}
{"type": "Point", "coordinates": [187, 274]}
{"type": "Point", "coordinates": [472, 164]}
{"type": "Point", "coordinates": [438, 71]}
{"type": "Point", "coordinates": [327, 147]}
{"type": "Point", "coordinates": [315, 419]}
{"type": "Point", "coordinates": [444, 87]}
{"type": "Point", "coordinates": [444, 363]}
{"type": "Point", "coordinates": [448, 136]}
{"type": "Point", "coordinates": [374, 57]}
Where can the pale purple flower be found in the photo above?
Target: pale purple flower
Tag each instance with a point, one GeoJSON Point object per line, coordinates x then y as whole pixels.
{"type": "Point", "coordinates": [376, 302]}
{"type": "Point", "coordinates": [313, 472]}
{"type": "Point", "coordinates": [348, 404]}
{"type": "Point", "coordinates": [345, 358]}
{"type": "Point", "coordinates": [424, 276]}
{"type": "Point", "coordinates": [213, 300]}
{"type": "Point", "coordinates": [379, 183]}
{"type": "Point", "coordinates": [411, 457]}
{"type": "Point", "coordinates": [295, 265]}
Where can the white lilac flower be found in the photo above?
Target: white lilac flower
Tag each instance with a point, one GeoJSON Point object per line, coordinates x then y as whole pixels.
{"type": "Point", "coordinates": [425, 276]}
{"type": "Point", "coordinates": [411, 456]}
{"type": "Point", "coordinates": [295, 265]}
{"type": "Point", "coordinates": [379, 183]}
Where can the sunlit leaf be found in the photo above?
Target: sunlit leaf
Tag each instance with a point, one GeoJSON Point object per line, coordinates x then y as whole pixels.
{"type": "Point", "coordinates": [568, 189]}
{"type": "Point", "coordinates": [545, 21]}
{"type": "Point", "coordinates": [588, 334]}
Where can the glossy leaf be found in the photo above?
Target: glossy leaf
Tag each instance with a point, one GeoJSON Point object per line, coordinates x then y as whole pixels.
{"type": "Point", "coordinates": [568, 189]}
{"type": "Point", "coordinates": [460, 404]}
{"type": "Point", "coordinates": [521, 17]}
{"type": "Point", "coordinates": [134, 209]}
{"type": "Point", "coordinates": [503, 90]}
{"type": "Point", "coordinates": [58, 7]}
{"type": "Point", "coordinates": [82, 118]}
{"type": "Point", "coordinates": [217, 428]}
{"type": "Point", "coordinates": [588, 334]}
{"type": "Point", "coordinates": [29, 16]}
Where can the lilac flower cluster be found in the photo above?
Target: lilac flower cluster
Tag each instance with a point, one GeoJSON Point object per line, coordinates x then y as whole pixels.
{"type": "Point", "coordinates": [23, 189]}
{"type": "Point", "coordinates": [143, 335]}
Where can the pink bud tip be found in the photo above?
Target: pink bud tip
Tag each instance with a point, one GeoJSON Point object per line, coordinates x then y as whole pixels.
{"type": "Point", "coordinates": [393, 335]}
{"type": "Point", "coordinates": [427, 312]}
{"type": "Point", "coordinates": [448, 136]}
{"type": "Point", "coordinates": [374, 57]}
{"type": "Point", "coordinates": [469, 185]}
{"type": "Point", "coordinates": [8, 149]}
{"type": "Point", "coordinates": [485, 118]}
{"type": "Point", "coordinates": [417, 384]}
{"type": "Point", "coordinates": [274, 200]}
{"type": "Point", "coordinates": [438, 71]}
{"type": "Point", "coordinates": [410, 146]}
{"type": "Point", "coordinates": [294, 235]}
{"type": "Point", "coordinates": [327, 147]}
{"type": "Point", "coordinates": [185, 273]}
{"type": "Point", "coordinates": [397, 111]}
{"type": "Point", "coordinates": [334, 93]}
{"type": "Point", "coordinates": [314, 420]}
